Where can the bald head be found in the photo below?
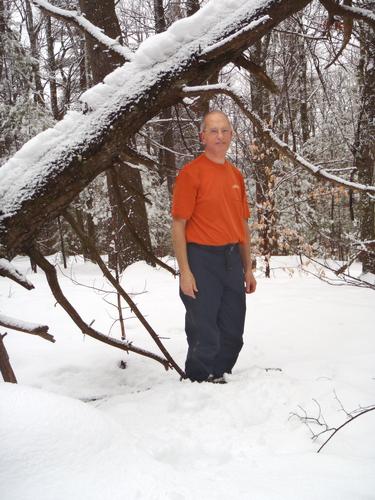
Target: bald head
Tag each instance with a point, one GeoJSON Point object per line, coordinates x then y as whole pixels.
{"type": "Point", "coordinates": [207, 118]}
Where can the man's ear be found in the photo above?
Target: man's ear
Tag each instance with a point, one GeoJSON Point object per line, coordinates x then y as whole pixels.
{"type": "Point", "coordinates": [201, 139]}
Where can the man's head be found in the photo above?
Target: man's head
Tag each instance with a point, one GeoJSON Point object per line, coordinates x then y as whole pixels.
{"type": "Point", "coordinates": [216, 134]}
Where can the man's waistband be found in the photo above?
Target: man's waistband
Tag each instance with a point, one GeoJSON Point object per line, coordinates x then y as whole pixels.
{"type": "Point", "coordinates": [215, 248]}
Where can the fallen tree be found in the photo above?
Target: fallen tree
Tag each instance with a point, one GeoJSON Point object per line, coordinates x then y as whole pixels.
{"type": "Point", "coordinates": [47, 174]}
{"type": "Point", "coordinates": [38, 187]}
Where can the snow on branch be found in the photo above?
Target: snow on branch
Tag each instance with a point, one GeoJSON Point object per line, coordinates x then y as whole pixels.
{"type": "Point", "coordinates": [231, 38]}
{"type": "Point", "coordinates": [280, 145]}
{"type": "Point", "coordinates": [49, 171]}
{"type": "Point", "coordinates": [26, 327]}
{"type": "Point", "coordinates": [79, 20]}
{"type": "Point", "coordinates": [9, 271]}
{"type": "Point", "coordinates": [348, 11]}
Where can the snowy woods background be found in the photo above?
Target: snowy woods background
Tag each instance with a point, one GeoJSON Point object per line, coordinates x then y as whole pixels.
{"type": "Point", "coordinates": [323, 110]}
{"type": "Point", "coordinates": [100, 105]}
{"type": "Point", "coordinates": [121, 89]}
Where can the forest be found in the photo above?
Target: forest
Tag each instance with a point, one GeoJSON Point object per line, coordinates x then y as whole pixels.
{"type": "Point", "coordinates": [101, 106]}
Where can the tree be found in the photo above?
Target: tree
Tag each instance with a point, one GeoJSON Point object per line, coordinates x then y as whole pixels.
{"type": "Point", "coordinates": [180, 63]}
{"type": "Point", "coordinates": [364, 148]}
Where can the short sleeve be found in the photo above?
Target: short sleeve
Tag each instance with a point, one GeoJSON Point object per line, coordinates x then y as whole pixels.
{"type": "Point", "coordinates": [184, 195]}
{"type": "Point", "coordinates": [245, 205]}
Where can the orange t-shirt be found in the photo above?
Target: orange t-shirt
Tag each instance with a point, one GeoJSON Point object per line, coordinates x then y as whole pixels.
{"type": "Point", "coordinates": [212, 198]}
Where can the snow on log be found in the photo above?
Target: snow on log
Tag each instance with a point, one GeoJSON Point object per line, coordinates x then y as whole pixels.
{"type": "Point", "coordinates": [26, 327]}
{"type": "Point", "coordinates": [9, 271]}
{"type": "Point", "coordinates": [52, 168]}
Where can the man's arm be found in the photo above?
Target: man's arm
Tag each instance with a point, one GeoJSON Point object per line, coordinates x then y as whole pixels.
{"type": "Point", "coordinates": [250, 281]}
{"type": "Point", "coordinates": [187, 281]}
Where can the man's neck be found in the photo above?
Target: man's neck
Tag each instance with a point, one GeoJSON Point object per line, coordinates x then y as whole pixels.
{"type": "Point", "coordinates": [216, 159]}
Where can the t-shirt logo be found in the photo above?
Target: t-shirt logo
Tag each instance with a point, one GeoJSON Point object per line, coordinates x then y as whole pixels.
{"type": "Point", "coordinates": [235, 186]}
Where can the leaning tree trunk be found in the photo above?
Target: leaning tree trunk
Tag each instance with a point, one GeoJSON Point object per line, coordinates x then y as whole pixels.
{"type": "Point", "coordinates": [365, 143]}
{"type": "Point", "coordinates": [123, 248]}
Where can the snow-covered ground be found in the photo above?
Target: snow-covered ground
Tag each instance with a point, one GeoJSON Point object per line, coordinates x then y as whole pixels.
{"type": "Point", "coordinates": [78, 427]}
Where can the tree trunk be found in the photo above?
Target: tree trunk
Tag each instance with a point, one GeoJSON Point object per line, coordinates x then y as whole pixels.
{"type": "Point", "coordinates": [167, 159]}
{"type": "Point", "coordinates": [51, 69]}
{"type": "Point", "coordinates": [192, 6]}
{"type": "Point", "coordinates": [263, 156]}
{"type": "Point", "coordinates": [33, 33]}
{"type": "Point", "coordinates": [2, 34]}
{"type": "Point", "coordinates": [5, 366]}
{"type": "Point", "coordinates": [76, 165]}
{"type": "Point", "coordinates": [122, 249]}
{"type": "Point", "coordinates": [365, 142]}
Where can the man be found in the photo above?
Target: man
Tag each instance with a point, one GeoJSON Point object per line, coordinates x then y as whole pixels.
{"type": "Point", "coordinates": [212, 246]}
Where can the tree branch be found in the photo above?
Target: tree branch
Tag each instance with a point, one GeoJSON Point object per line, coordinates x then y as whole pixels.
{"type": "Point", "coordinates": [9, 271]}
{"type": "Point", "coordinates": [147, 252]}
{"type": "Point", "coordinates": [281, 146]}
{"type": "Point", "coordinates": [26, 327]}
{"type": "Point", "coordinates": [344, 424]}
{"type": "Point", "coordinates": [86, 329]}
{"type": "Point", "coordinates": [5, 366]}
{"type": "Point", "coordinates": [346, 11]}
{"type": "Point", "coordinates": [39, 183]}
{"type": "Point", "coordinates": [96, 256]}
{"type": "Point", "coordinates": [72, 16]}
{"type": "Point", "coordinates": [258, 73]}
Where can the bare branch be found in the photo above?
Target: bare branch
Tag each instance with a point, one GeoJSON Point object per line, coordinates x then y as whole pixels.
{"type": "Point", "coordinates": [348, 28]}
{"type": "Point", "coordinates": [96, 256]}
{"type": "Point", "coordinates": [345, 10]}
{"type": "Point", "coordinates": [86, 329]}
{"type": "Point", "coordinates": [82, 23]}
{"type": "Point", "coordinates": [282, 147]}
{"type": "Point", "coordinates": [344, 424]}
{"type": "Point", "coordinates": [258, 73]}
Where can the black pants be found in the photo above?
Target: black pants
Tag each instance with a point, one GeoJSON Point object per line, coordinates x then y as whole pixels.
{"type": "Point", "coordinates": [214, 320]}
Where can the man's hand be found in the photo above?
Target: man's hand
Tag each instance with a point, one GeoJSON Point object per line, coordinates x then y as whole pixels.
{"type": "Point", "coordinates": [187, 284]}
{"type": "Point", "coordinates": [250, 282]}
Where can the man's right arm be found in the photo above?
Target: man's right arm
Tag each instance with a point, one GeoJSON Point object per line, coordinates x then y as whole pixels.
{"type": "Point", "coordinates": [187, 281]}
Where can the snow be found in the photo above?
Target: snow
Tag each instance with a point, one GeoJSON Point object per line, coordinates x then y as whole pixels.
{"type": "Point", "coordinates": [17, 324]}
{"type": "Point", "coordinates": [295, 157]}
{"type": "Point", "coordinates": [366, 14]}
{"type": "Point", "coordinates": [249, 27]}
{"type": "Point", "coordinates": [77, 426]}
{"type": "Point", "coordinates": [6, 268]}
{"type": "Point", "coordinates": [87, 26]}
{"type": "Point", "coordinates": [161, 54]}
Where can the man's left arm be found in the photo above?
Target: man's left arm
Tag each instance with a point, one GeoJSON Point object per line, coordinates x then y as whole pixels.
{"type": "Point", "coordinates": [249, 278]}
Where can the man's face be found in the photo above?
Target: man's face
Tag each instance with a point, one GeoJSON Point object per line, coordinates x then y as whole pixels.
{"type": "Point", "coordinates": [217, 134]}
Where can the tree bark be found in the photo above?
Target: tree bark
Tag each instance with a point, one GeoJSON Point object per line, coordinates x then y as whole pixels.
{"type": "Point", "coordinates": [121, 247]}
{"type": "Point", "coordinates": [86, 329]}
{"type": "Point", "coordinates": [52, 69]}
{"type": "Point", "coordinates": [263, 157]}
{"type": "Point", "coordinates": [5, 366]}
{"type": "Point", "coordinates": [192, 6]}
{"type": "Point", "coordinates": [73, 167]}
{"type": "Point", "coordinates": [364, 149]}
{"type": "Point", "coordinates": [33, 36]}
